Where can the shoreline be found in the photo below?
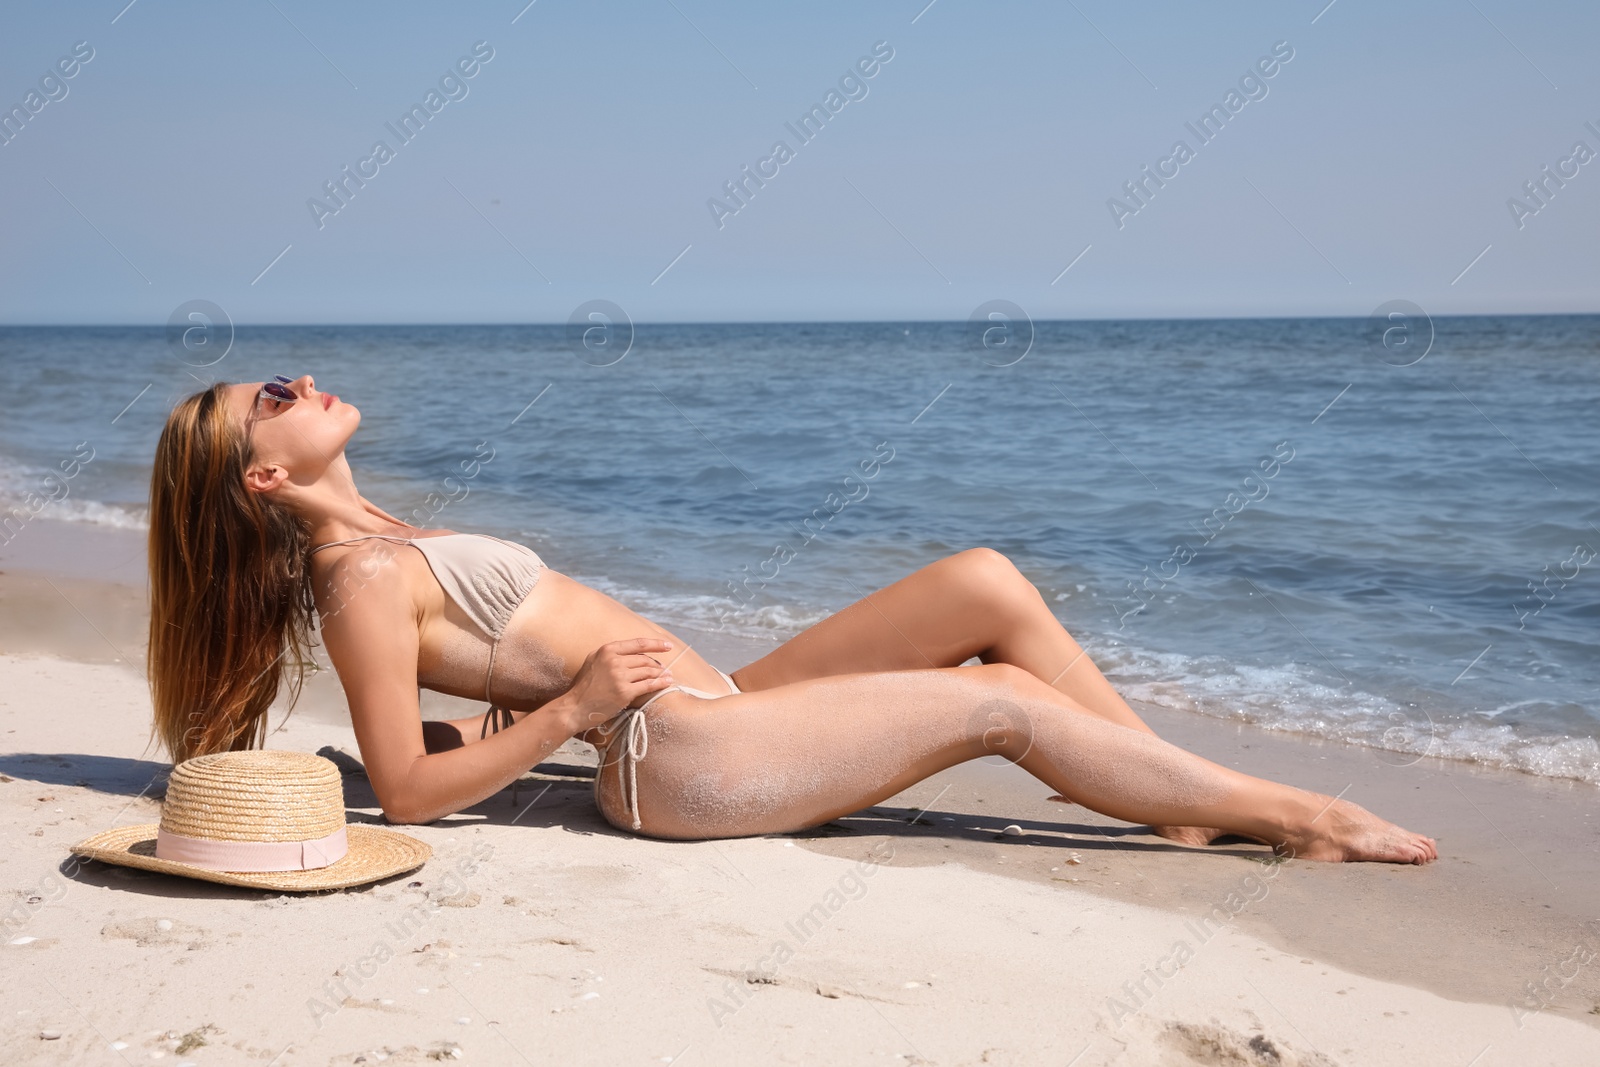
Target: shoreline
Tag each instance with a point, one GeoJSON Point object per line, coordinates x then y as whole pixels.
{"type": "Point", "coordinates": [1506, 904]}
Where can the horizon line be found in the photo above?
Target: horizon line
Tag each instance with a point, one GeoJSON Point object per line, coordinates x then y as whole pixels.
{"type": "Point", "coordinates": [810, 322]}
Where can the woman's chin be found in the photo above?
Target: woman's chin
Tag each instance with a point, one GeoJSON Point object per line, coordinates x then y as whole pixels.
{"type": "Point", "coordinates": [340, 440]}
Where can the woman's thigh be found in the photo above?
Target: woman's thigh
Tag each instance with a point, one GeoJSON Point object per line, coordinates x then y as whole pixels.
{"type": "Point", "coordinates": [798, 755]}
{"type": "Point", "coordinates": [940, 615]}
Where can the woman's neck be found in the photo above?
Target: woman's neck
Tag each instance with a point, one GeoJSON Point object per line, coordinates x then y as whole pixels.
{"type": "Point", "coordinates": [369, 519]}
{"type": "Point", "coordinates": [335, 510]}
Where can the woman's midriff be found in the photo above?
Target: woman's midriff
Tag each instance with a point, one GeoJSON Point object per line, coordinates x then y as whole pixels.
{"type": "Point", "coordinates": [587, 620]}
{"type": "Point", "coordinates": [574, 620]}
{"type": "Point", "coordinates": [546, 641]}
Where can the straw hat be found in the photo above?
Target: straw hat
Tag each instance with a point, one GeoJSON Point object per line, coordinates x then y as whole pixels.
{"type": "Point", "coordinates": [265, 818]}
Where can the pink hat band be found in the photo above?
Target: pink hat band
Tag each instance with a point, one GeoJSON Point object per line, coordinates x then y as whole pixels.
{"type": "Point", "coordinates": [252, 855]}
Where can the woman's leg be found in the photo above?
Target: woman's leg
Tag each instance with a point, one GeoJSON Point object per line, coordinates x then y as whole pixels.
{"type": "Point", "coordinates": [972, 603]}
{"type": "Point", "coordinates": [799, 755]}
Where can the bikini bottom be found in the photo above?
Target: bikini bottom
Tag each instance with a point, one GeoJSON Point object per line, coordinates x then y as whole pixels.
{"type": "Point", "coordinates": [630, 727]}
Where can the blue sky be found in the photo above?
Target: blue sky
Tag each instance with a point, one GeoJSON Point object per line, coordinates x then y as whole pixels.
{"type": "Point", "coordinates": [977, 166]}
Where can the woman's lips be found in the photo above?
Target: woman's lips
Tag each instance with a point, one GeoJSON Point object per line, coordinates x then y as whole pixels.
{"type": "Point", "coordinates": [327, 401]}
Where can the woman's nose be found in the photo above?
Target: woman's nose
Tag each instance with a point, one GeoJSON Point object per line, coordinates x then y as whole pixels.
{"type": "Point", "coordinates": [304, 383]}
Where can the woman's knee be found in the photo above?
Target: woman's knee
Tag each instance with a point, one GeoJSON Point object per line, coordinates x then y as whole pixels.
{"type": "Point", "coordinates": [991, 576]}
{"type": "Point", "coordinates": [1012, 684]}
{"type": "Point", "coordinates": [1005, 679]}
{"type": "Point", "coordinates": [1001, 721]}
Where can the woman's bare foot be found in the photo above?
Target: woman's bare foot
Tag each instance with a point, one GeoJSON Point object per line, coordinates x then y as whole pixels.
{"type": "Point", "coordinates": [1343, 831]}
{"type": "Point", "coordinates": [1337, 831]}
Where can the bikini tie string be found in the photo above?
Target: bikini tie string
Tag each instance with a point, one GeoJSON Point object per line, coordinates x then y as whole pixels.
{"type": "Point", "coordinates": [498, 717]}
{"type": "Point", "coordinates": [635, 731]}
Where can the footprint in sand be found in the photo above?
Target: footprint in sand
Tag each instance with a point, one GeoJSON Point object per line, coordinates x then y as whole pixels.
{"type": "Point", "coordinates": [456, 900]}
{"type": "Point", "coordinates": [1209, 1043]}
{"type": "Point", "coordinates": [26, 941]}
{"type": "Point", "coordinates": [375, 1004]}
{"type": "Point", "coordinates": [156, 931]}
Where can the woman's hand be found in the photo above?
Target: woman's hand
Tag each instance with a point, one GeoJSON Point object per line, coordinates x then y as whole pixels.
{"type": "Point", "coordinates": [614, 676]}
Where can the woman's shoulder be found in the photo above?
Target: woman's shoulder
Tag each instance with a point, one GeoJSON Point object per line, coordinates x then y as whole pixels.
{"type": "Point", "coordinates": [374, 566]}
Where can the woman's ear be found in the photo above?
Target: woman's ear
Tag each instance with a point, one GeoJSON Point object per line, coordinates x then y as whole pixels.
{"type": "Point", "coordinates": [264, 479]}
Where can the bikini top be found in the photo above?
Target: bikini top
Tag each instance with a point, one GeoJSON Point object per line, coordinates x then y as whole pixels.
{"type": "Point", "coordinates": [487, 577]}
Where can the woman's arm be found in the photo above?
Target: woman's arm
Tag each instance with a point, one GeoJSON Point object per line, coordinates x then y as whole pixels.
{"type": "Point", "coordinates": [441, 783]}
{"type": "Point", "coordinates": [372, 641]}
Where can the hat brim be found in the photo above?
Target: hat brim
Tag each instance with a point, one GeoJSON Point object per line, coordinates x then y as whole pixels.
{"type": "Point", "coordinates": [374, 853]}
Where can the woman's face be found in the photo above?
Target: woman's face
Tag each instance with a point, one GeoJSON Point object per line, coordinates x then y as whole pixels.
{"type": "Point", "coordinates": [303, 436]}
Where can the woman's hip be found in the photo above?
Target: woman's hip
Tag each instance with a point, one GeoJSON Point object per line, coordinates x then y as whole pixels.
{"type": "Point", "coordinates": [652, 751]}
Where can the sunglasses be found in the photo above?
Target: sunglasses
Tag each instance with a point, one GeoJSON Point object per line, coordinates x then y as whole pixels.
{"type": "Point", "coordinates": [278, 390]}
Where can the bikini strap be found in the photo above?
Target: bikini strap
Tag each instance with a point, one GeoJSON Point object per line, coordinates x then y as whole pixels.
{"type": "Point", "coordinates": [364, 537]}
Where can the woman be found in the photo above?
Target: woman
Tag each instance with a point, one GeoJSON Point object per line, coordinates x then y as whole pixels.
{"type": "Point", "coordinates": [255, 521]}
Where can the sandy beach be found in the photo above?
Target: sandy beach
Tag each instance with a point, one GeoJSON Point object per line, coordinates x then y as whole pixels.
{"type": "Point", "coordinates": [917, 931]}
{"type": "Point", "coordinates": [1110, 347]}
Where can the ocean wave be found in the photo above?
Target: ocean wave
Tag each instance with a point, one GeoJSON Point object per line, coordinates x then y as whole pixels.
{"type": "Point", "coordinates": [22, 487]}
{"type": "Point", "coordinates": [1287, 699]}
{"type": "Point", "coordinates": [120, 516]}
{"type": "Point", "coordinates": [712, 614]}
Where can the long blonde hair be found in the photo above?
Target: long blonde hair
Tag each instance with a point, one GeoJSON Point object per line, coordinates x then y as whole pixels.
{"type": "Point", "coordinates": [231, 609]}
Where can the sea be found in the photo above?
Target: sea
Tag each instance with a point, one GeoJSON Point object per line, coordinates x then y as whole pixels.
{"type": "Point", "coordinates": [1381, 531]}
